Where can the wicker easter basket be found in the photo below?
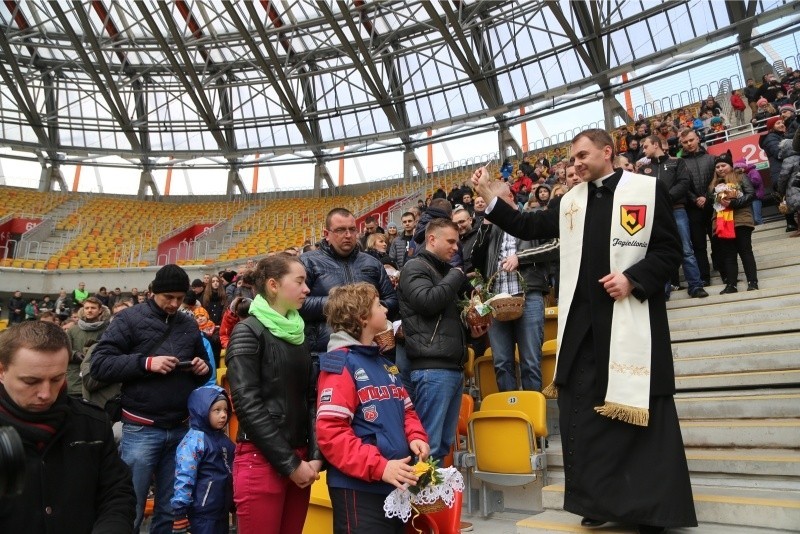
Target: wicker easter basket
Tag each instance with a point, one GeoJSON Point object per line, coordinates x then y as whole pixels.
{"type": "Point", "coordinates": [472, 316]}
{"type": "Point", "coordinates": [507, 308]}
{"type": "Point", "coordinates": [385, 339]}
{"type": "Point", "coordinates": [432, 508]}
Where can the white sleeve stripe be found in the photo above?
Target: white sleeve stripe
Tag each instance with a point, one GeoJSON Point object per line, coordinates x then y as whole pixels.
{"type": "Point", "coordinates": [407, 402]}
{"type": "Point", "coordinates": [334, 411]}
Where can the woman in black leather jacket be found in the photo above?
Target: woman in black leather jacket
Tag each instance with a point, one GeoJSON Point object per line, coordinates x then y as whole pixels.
{"type": "Point", "coordinates": [273, 387]}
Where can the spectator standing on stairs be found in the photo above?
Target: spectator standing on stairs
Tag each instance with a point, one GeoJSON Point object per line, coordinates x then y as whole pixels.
{"type": "Point", "coordinates": [614, 379]}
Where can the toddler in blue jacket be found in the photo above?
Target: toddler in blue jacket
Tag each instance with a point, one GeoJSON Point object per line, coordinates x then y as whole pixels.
{"type": "Point", "coordinates": [203, 495]}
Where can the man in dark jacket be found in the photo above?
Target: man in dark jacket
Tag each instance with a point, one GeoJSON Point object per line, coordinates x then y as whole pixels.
{"type": "Point", "coordinates": [700, 165]}
{"type": "Point", "coordinates": [673, 173]}
{"type": "Point", "coordinates": [499, 253]}
{"type": "Point", "coordinates": [398, 250]}
{"type": "Point", "coordinates": [337, 262]}
{"type": "Point", "coordinates": [467, 235]}
{"type": "Point", "coordinates": [74, 479]}
{"type": "Point", "coordinates": [436, 341]}
{"type": "Point", "coordinates": [159, 357]}
{"type": "Point", "coordinates": [16, 308]}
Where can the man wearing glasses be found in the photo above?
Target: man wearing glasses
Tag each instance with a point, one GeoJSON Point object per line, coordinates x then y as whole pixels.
{"type": "Point", "coordinates": [337, 262]}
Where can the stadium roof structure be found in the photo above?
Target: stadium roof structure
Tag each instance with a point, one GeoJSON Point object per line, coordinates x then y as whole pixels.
{"type": "Point", "coordinates": [313, 81]}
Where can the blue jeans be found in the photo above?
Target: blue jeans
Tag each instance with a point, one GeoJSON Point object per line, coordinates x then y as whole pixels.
{"type": "Point", "coordinates": [691, 271]}
{"type": "Point", "coordinates": [437, 401]}
{"type": "Point", "coordinates": [527, 332]}
{"type": "Point", "coordinates": [404, 366]}
{"type": "Point", "coordinates": [757, 212]}
{"type": "Point", "coordinates": [149, 450]}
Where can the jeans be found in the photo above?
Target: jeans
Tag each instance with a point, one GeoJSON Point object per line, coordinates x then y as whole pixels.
{"type": "Point", "coordinates": [690, 269]}
{"type": "Point", "coordinates": [437, 401]}
{"type": "Point", "coordinates": [700, 230]}
{"type": "Point", "coordinates": [528, 334]}
{"type": "Point", "coordinates": [757, 203]}
{"type": "Point", "coordinates": [404, 366]}
{"type": "Point", "coordinates": [149, 450]}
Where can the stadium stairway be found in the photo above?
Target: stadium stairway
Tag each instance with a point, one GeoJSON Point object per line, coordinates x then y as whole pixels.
{"type": "Point", "coordinates": [57, 238]}
{"type": "Point", "coordinates": [737, 370]}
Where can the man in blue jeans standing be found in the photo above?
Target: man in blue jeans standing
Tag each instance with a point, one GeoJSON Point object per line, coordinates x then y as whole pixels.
{"type": "Point", "coordinates": [158, 356]}
{"type": "Point", "coordinates": [675, 175]}
{"type": "Point", "coordinates": [521, 268]}
{"type": "Point", "coordinates": [436, 340]}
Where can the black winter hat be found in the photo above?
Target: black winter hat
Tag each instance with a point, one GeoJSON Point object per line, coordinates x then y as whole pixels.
{"type": "Point", "coordinates": [197, 283]}
{"type": "Point", "coordinates": [727, 157]}
{"type": "Point", "coordinates": [171, 278]}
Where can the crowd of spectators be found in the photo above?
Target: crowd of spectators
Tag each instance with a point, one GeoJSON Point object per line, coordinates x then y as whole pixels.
{"type": "Point", "coordinates": [417, 268]}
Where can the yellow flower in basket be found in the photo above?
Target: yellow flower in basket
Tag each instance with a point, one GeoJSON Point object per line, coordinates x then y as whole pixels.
{"type": "Point", "coordinates": [427, 473]}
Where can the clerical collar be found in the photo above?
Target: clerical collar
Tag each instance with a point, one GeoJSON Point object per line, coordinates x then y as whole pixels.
{"type": "Point", "coordinates": [599, 181]}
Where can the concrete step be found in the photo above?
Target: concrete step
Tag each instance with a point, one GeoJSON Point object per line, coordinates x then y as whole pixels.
{"type": "Point", "coordinates": [747, 463]}
{"type": "Point", "coordinates": [746, 404]}
{"type": "Point", "coordinates": [751, 345]}
{"type": "Point", "coordinates": [732, 324]}
{"type": "Point", "coordinates": [780, 284]}
{"type": "Point", "coordinates": [768, 360]}
{"type": "Point", "coordinates": [742, 507]}
{"type": "Point", "coordinates": [739, 379]}
{"type": "Point", "coordinates": [744, 307]}
{"type": "Point", "coordinates": [559, 521]}
{"type": "Point", "coordinates": [741, 433]}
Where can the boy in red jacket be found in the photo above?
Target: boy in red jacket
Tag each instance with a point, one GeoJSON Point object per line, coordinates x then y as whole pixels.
{"type": "Point", "coordinates": [367, 428]}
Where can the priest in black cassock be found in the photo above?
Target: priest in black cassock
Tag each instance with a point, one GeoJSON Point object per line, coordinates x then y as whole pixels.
{"type": "Point", "coordinates": [624, 459]}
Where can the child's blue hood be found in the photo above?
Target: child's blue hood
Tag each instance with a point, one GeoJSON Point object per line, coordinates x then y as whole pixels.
{"type": "Point", "coordinates": [200, 402]}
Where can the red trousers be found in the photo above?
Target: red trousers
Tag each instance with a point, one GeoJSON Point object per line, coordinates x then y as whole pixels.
{"type": "Point", "coordinates": [266, 501]}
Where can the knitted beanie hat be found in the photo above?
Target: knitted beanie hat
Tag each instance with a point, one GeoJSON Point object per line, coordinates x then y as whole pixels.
{"type": "Point", "coordinates": [771, 122]}
{"type": "Point", "coordinates": [171, 278]}
{"type": "Point", "coordinates": [200, 312]}
{"type": "Point", "coordinates": [787, 107]}
{"type": "Point", "coordinates": [762, 101]}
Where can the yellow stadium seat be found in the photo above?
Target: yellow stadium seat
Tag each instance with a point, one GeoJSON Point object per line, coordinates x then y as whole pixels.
{"type": "Point", "coordinates": [550, 323]}
{"type": "Point", "coordinates": [485, 378]}
{"type": "Point", "coordinates": [504, 442]}
{"type": "Point", "coordinates": [548, 362]}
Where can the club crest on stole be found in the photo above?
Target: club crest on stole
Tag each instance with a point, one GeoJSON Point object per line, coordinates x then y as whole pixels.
{"type": "Point", "coordinates": [632, 218]}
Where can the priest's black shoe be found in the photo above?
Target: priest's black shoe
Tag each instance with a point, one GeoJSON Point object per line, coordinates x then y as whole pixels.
{"type": "Point", "coordinates": [647, 529]}
{"type": "Point", "coordinates": [752, 286]}
{"type": "Point", "coordinates": [588, 522]}
{"type": "Point", "coordinates": [728, 289]}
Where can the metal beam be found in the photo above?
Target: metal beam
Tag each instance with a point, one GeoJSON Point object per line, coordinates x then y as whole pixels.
{"type": "Point", "coordinates": [464, 56]}
{"type": "Point", "coordinates": [18, 87]}
{"type": "Point", "coordinates": [107, 89]}
{"type": "Point", "coordinates": [278, 82]}
{"type": "Point", "coordinates": [364, 64]}
{"type": "Point", "coordinates": [184, 70]}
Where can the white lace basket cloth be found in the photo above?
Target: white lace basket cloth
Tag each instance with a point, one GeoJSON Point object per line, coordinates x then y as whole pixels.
{"type": "Point", "coordinates": [398, 503]}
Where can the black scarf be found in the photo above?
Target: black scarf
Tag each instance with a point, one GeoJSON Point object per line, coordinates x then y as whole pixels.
{"type": "Point", "coordinates": [35, 428]}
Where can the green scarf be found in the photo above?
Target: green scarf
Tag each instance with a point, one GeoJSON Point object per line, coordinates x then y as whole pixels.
{"type": "Point", "coordinates": [289, 328]}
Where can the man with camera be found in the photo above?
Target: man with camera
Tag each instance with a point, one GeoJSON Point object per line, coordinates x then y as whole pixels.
{"type": "Point", "coordinates": [158, 356]}
{"type": "Point", "coordinates": [73, 479]}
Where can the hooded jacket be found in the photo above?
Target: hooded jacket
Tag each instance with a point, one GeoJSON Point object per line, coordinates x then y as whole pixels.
{"type": "Point", "coordinates": [325, 269]}
{"type": "Point", "coordinates": [81, 337]}
{"type": "Point", "coordinates": [204, 461]}
{"type": "Point", "coordinates": [364, 417]}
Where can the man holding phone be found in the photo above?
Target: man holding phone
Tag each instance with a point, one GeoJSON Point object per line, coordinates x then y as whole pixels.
{"type": "Point", "coordinates": [158, 356]}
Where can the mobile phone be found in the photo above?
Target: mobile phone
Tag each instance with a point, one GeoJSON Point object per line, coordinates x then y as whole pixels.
{"type": "Point", "coordinates": [184, 365]}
